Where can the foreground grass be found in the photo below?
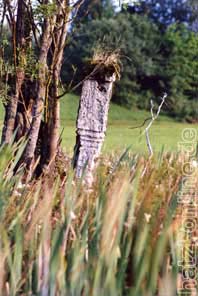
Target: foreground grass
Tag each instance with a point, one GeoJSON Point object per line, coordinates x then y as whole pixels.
{"type": "Point", "coordinates": [117, 239]}
{"type": "Point", "coordinates": [165, 132]}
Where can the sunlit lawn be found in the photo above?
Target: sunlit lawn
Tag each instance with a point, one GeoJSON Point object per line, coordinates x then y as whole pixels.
{"type": "Point", "coordinates": [165, 135]}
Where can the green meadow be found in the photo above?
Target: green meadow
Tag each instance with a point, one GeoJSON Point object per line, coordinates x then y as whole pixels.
{"type": "Point", "coordinates": [165, 133]}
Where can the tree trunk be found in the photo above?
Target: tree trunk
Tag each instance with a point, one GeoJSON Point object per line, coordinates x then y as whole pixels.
{"type": "Point", "coordinates": [53, 48]}
{"type": "Point", "coordinates": [39, 104]}
{"type": "Point", "coordinates": [21, 33]}
{"type": "Point", "coordinates": [53, 105]}
{"type": "Point", "coordinates": [54, 125]}
{"type": "Point", "coordinates": [11, 109]}
{"type": "Point", "coordinates": [92, 123]}
{"type": "Point", "coordinates": [57, 64]}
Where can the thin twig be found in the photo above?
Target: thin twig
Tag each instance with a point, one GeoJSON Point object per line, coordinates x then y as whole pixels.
{"type": "Point", "coordinates": [153, 118]}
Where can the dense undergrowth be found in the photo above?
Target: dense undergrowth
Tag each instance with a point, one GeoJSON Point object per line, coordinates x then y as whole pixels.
{"type": "Point", "coordinates": [117, 239]}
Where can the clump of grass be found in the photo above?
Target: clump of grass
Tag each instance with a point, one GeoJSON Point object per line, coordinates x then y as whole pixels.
{"type": "Point", "coordinates": [67, 241]}
{"type": "Point", "coordinates": [107, 59]}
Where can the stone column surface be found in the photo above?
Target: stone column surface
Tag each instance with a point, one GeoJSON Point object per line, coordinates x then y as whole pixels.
{"type": "Point", "coordinates": [92, 123]}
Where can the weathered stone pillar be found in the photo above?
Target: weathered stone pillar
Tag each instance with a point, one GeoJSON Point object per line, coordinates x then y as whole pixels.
{"type": "Point", "coordinates": [92, 122]}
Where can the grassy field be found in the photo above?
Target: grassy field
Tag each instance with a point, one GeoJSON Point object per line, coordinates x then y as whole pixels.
{"type": "Point", "coordinates": [164, 134]}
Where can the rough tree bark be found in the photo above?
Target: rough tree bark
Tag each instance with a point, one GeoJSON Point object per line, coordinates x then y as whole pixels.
{"type": "Point", "coordinates": [57, 50]}
{"type": "Point", "coordinates": [92, 122]}
{"type": "Point", "coordinates": [20, 36]}
{"type": "Point", "coordinates": [39, 104]}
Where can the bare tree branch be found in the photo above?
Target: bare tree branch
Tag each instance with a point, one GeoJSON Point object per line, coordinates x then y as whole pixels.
{"type": "Point", "coordinates": [153, 118]}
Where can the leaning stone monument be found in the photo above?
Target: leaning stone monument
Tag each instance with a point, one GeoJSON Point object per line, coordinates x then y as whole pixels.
{"type": "Point", "coordinates": [93, 114]}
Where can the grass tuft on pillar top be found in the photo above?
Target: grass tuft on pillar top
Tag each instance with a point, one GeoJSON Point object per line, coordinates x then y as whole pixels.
{"type": "Point", "coordinates": [106, 61]}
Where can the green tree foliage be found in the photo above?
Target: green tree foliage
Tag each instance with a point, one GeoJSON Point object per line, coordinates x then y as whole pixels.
{"type": "Point", "coordinates": [182, 71]}
{"type": "Point", "coordinates": [158, 50]}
